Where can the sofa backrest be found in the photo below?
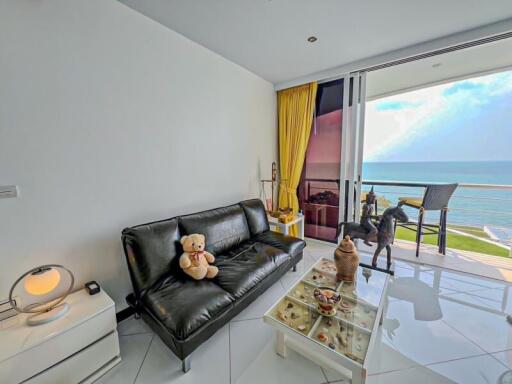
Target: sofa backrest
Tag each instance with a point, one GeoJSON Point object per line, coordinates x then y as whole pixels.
{"type": "Point", "coordinates": [256, 216]}
{"type": "Point", "coordinates": [151, 250]}
{"type": "Point", "coordinates": [224, 228]}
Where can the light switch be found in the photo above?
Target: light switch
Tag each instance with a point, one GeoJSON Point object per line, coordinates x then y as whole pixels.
{"type": "Point", "coordinates": [8, 191]}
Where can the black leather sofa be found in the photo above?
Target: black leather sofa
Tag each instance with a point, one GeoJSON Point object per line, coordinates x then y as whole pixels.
{"type": "Point", "coordinates": [185, 312]}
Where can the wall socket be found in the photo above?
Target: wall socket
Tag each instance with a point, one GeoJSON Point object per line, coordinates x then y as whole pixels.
{"type": "Point", "coordinates": [8, 191]}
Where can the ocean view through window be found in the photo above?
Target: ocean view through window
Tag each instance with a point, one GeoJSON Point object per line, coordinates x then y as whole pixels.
{"type": "Point", "coordinates": [460, 132]}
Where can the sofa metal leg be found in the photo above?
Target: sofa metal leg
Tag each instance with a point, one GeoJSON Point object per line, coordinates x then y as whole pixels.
{"type": "Point", "coordinates": [294, 269]}
{"type": "Point", "coordinates": [185, 364]}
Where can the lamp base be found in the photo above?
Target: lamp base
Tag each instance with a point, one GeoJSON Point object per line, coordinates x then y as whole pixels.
{"type": "Point", "coordinates": [46, 317]}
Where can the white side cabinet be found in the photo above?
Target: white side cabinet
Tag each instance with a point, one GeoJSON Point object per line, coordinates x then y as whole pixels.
{"type": "Point", "coordinates": [77, 348]}
{"type": "Point", "coordinates": [285, 227]}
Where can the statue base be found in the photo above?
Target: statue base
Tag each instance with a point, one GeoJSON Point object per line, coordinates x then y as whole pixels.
{"type": "Point", "coordinates": [390, 270]}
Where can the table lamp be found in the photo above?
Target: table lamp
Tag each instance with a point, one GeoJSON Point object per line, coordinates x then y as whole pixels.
{"type": "Point", "coordinates": [39, 283]}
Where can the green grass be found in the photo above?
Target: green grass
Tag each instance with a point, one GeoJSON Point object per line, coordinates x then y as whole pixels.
{"type": "Point", "coordinates": [456, 241]}
{"type": "Point", "coordinates": [471, 230]}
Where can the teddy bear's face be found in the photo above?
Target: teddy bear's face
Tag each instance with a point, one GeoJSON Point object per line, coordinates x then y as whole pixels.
{"type": "Point", "coordinates": [193, 243]}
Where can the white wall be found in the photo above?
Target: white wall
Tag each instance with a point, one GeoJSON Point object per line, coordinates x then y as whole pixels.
{"type": "Point", "coordinates": [108, 119]}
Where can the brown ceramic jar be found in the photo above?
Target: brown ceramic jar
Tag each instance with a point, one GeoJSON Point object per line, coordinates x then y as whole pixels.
{"type": "Point", "coordinates": [346, 259]}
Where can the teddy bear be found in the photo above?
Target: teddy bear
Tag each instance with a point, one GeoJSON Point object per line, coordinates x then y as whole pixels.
{"type": "Point", "coordinates": [195, 260]}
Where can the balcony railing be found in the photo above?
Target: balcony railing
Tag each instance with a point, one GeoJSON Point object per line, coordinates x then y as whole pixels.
{"type": "Point", "coordinates": [482, 212]}
{"type": "Point", "coordinates": [479, 211]}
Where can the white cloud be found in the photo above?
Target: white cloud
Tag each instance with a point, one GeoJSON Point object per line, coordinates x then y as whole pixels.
{"type": "Point", "coordinates": [388, 129]}
{"type": "Point", "coordinates": [385, 128]}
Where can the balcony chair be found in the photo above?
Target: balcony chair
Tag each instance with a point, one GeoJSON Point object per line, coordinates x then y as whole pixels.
{"type": "Point", "coordinates": [435, 198]}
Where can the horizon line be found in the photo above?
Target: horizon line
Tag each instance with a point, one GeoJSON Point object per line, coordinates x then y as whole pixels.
{"type": "Point", "coordinates": [437, 161]}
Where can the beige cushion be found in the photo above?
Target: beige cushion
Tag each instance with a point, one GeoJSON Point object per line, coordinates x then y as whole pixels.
{"type": "Point", "coordinates": [411, 201]}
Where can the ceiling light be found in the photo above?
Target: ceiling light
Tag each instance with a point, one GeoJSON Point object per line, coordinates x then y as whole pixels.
{"type": "Point", "coordinates": [312, 39]}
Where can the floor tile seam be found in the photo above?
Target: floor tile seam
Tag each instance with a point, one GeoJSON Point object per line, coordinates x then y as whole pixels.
{"type": "Point", "coordinates": [144, 359]}
{"type": "Point", "coordinates": [466, 337]}
{"type": "Point", "coordinates": [135, 334]}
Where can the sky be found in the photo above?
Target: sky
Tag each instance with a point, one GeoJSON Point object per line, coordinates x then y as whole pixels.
{"type": "Point", "coordinates": [468, 120]}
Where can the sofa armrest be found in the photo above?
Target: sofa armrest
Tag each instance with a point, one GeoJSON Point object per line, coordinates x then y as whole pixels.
{"type": "Point", "coordinates": [289, 244]}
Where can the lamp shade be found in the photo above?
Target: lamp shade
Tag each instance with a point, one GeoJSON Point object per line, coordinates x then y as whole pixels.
{"type": "Point", "coordinates": [42, 281]}
{"type": "Point", "coordinates": [45, 282]}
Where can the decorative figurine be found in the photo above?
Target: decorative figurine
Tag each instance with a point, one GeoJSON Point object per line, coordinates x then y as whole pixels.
{"type": "Point", "coordinates": [385, 232]}
{"type": "Point", "coordinates": [366, 217]}
{"type": "Point", "coordinates": [346, 259]}
{"type": "Point", "coordinates": [270, 201]}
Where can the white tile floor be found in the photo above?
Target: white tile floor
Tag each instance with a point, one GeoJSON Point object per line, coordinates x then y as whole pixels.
{"type": "Point", "coordinates": [440, 326]}
{"type": "Point", "coordinates": [494, 267]}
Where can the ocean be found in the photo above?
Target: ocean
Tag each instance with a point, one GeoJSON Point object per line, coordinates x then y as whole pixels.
{"type": "Point", "coordinates": [473, 207]}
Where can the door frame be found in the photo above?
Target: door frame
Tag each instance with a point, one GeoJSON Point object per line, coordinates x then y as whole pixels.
{"type": "Point", "coordinates": [352, 144]}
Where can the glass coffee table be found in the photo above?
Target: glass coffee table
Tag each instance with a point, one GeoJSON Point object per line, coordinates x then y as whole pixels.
{"type": "Point", "coordinates": [342, 342]}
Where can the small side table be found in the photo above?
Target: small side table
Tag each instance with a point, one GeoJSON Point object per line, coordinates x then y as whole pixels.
{"type": "Point", "coordinates": [285, 227]}
{"type": "Point", "coordinates": [77, 348]}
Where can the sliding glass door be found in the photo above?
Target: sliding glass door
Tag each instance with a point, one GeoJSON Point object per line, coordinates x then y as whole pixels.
{"type": "Point", "coordinates": [330, 168]}
{"type": "Point", "coordinates": [320, 182]}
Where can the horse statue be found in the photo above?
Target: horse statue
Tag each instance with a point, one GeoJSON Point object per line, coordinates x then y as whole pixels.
{"type": "Point", "coordinates": [385, 232]}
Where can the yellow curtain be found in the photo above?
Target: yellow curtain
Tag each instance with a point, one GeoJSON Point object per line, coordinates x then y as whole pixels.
{"type": "Point", "coordinates": [295, 109]}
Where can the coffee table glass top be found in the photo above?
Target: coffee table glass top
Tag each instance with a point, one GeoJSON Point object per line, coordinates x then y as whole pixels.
{"type": "Point", "coordinates": [348, 333]}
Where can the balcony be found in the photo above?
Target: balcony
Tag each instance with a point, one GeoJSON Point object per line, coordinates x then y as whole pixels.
{"type": "Point", "coordinates": [479, 228]}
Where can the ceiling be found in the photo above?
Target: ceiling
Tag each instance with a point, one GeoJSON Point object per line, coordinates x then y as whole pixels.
{"type": "Point", "coordinates": [440, 69]}
{"type": "Point", "coordinates": [269, 37]}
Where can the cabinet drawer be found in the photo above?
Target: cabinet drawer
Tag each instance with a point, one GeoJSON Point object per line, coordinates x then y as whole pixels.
{"type": "Point", "coordinates": [33, 361]}
{"type": "Point", "coordinates": [82, 364]}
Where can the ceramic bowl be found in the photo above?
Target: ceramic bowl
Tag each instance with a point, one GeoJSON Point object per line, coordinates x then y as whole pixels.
{"type": "Point", "coordinates": [326, 299]}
